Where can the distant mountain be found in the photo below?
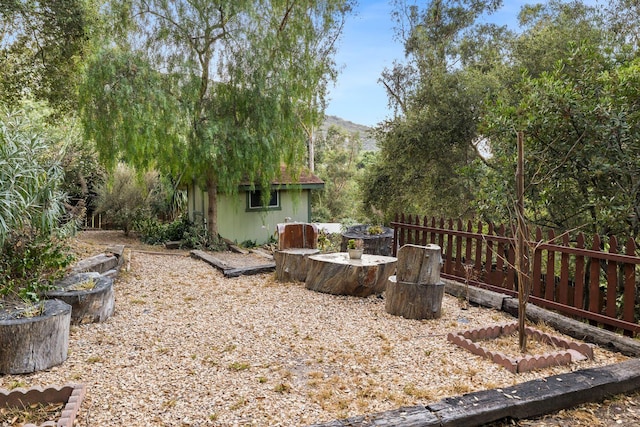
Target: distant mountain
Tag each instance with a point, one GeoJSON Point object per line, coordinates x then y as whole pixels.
{"type": "Point", "coordinates": [368, 142]}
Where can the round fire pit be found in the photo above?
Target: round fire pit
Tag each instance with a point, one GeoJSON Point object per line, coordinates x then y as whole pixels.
{"type": "Point", "coordinates": [374, 244]}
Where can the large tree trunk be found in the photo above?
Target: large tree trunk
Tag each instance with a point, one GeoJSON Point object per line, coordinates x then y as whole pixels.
{"type": "Point", "coordinates": [212, 211]}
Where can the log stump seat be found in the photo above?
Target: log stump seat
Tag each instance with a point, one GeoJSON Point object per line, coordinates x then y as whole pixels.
{"type": "Point", "coordinates": [416, 291]}
{"type": "Point", "coordinates": [296, 242]}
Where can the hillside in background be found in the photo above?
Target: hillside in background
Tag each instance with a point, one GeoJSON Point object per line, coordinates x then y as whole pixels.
{"type": "Point", "coordinates": [368, 142]}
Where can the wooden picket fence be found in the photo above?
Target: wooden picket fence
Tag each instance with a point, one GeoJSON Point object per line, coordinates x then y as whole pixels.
{"type": "Point", "coordinates": [598, 286]}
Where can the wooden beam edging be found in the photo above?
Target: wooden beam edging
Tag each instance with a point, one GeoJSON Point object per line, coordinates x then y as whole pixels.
{"type": "Point", "coordinates": [229, 271]}
{"type": "Point", "coordinates": [526, 400]}
{"type": "Point", "coordinates": [573, 328]}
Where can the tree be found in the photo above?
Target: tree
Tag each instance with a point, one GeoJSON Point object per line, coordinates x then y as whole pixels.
{"type": "Point", "coordinates": [337, 164]}
{"type": "Point", "coordinates": [582, 126]}
{"type": "Point", "coordinates": [43, 43]}
{"type": "Point", "coordinates": [212, 91]}
{"type": "Point", "coordinates": [429, 143]}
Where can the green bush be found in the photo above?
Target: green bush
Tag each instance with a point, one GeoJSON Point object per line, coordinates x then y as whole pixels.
{"type": "Point", "coordinates": [192, 236]}
{"type": "Point", "coordinates": [30, 264]}
{"type": "Point", "coordinates": [123, 200]}
{"type": "Point", "coordinates": [153, 231]}
{"type": "Point", "coordinates": [33, 220]}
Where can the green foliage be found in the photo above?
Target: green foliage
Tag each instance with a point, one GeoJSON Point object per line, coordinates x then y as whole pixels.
{"type": "Point", "coordinates": [29, 264]}
{"type": "Point", "coordinates": [198, 237]}
{"type": "Point", "coordinates": [248, 244]}
{"type": "Point", "coordinates": [426, 149]}
{"type": "Point", "coordinates": [124, 199]}
{"type": "Point", "coordinates": [30, 172]}
{"type": "Point", "coordinates": [43, 45]}
{"type": "Point", "coordinates": [33, 220]}
{"type": "Point", "coordinates": [153, 231]}
{"type": "Point", "coordinates": [582, 129]}
{"type": "Point", "coordinates": [375, 229]}
{"type": "Point", "coordinates": [215, 94]}
{"type": "Point", "coordinates": [337, 160]}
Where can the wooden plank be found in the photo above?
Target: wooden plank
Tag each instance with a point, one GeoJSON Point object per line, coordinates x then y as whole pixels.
{"type": "Point", "coordinates": [237, 249]}
{"type": "Point", "coordinates": [629, 285]}
{"type": "Point", "coordinates": [536, 288]}
{"type": "Point", "coordinates": [538, 397]}
{"type": "Point", "coordinates": [563, 290]}
{"type": "Point", "coordinates": [594, 279]}
{"type": "Point", "coordinates": [526, 400]}
{"type": "Point", "coordinates": [550, 279]}
{"type": "Point", "coordinates": [479, 244]}
{"type": "Point", "coordinates": [578, 299]}
{"type": "Point", "coordinates": [612, 279]}
{"type": "Point", "coordinates": [477, 296]}
{"type": "Point", "coordinates": [230, 271]}
{"type": "Point", "coordinates": [488, 263]}
{"type": "Point", "coordinates": [248, 271]}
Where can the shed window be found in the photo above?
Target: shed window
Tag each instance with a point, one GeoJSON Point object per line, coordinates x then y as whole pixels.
{"type": "Point", "coordinates": [256, 203]}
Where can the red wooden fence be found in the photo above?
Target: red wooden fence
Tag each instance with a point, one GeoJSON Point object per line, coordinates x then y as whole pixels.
{"type": "Point", "coordinates": [592, 284]}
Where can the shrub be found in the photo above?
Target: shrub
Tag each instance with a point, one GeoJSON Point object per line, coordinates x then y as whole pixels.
{"type": "Point", "coordinates": [30, 264]}
{"type": "Point", "coordinates": [123, 199]}
{"type": "Point", "coordinates": [33, 221]}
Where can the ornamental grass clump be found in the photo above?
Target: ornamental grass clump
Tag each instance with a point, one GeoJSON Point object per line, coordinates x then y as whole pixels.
{"type": "Point", "coordinates": [33, 220]}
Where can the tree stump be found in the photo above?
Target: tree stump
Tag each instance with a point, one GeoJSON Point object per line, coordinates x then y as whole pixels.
{"type": "Point", "coordinates": [339, 275]}
{"type": "Point", "coordinates": [29, 344]}
{"type": "Point", "coordinates": [416, 292]}
{"type": "Point", "coordinates": [374, 244]}
{"type": "Point", "coordinates": [292, 264]}
{"type": "Point", "coordinates": [87, 305]}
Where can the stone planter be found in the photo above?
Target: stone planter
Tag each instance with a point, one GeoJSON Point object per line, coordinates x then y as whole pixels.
{"type": "Point", "coordinates": [374, 244]}
{"type": "Point", "coordinates": [71, 395]}
{"type": "Point", "coordinates": [355, 253]}
{"type": "Point", "coordinates": [29, 344]}
{"type": "Point", "coordinates": [88, 305]}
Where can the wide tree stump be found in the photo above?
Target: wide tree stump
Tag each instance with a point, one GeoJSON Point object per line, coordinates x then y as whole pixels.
{"type": "Point", "coordinates": [29, 344]}
{"type": "Point", "coordinates": [90, 305]}
{"type": "Point", "coordinates": [414, 300]}
{"type": "Point", "coordinates": [416, 292]}
{"type": "Point", "coordinates": [374, 244]}
{"type": "Point", "coordinates": [337, 274]}
{"type": "Point", "coordinates": [292, 264]}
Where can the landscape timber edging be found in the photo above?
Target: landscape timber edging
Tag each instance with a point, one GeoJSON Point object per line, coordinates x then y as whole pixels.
{"type": "Point", "coordinates": [229, 271]}
{"type": "Point", "coordinates": [525, 400]}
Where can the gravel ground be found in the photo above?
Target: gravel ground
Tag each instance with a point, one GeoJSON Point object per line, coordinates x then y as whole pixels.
{"type": "Point", "coordinates": [187, 347]}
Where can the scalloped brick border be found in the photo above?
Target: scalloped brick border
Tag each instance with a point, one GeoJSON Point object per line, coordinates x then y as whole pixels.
{"type": "Point", "coordinates": [573, 351]}
{"type": "Point", "coordinates": [72, 394]}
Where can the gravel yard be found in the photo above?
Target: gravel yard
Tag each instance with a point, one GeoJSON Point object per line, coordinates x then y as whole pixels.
{"type": "Point", "coordinates": [187, 347]}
